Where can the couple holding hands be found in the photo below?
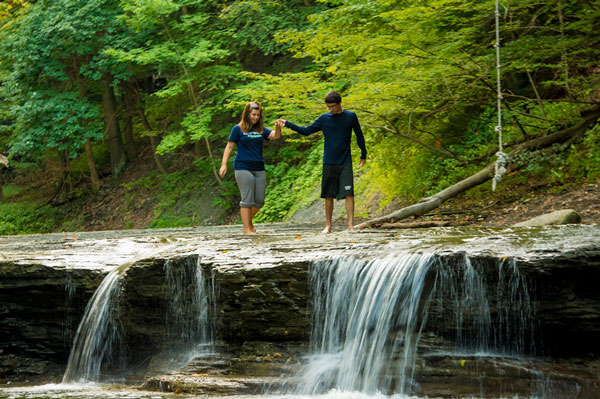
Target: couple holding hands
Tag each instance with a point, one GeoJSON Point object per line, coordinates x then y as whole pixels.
{"type": "Point", "coordinates": [337, 180]}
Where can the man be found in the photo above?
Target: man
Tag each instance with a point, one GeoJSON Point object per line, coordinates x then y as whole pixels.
{"type": "Point", "coordinates": [337, 180]}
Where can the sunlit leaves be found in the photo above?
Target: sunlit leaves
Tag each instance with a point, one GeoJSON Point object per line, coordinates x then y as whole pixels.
{"type": "Point", "coordinates": [250, 25]}
{"type": "Point", "coordinates": [184, 45]}
{"type": "Point", "coordinates": [141, 14]}
{"type": "Point", "coordinates": [172, 141]}
{"type": "Point", "coordinates": [198, 123]}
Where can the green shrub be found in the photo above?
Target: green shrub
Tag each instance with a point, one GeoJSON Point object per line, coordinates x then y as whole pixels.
{"type": "Point", "coordinates": [291, 186]}
{"type": "Point", "coordinates": [584, 160]}
{"type": "Point", "coordinates": [24, 218]}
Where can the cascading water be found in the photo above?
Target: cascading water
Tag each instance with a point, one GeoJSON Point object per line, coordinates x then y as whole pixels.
{"type": "Point", "coordinates": [70, 290]}
{"type": "Point", "coordinates": [369, 316]}
{"type": "Point", "coordinates": [189, 325]}
{"type": "Point", "coordinates": [97, 334]}
{"type": "Point", "coordinates": [488, 305]}
{"type": "Point", "coordinates": [189, 321]}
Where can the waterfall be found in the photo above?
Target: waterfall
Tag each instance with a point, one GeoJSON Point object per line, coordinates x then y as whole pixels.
{"type": "Point", "coordinates": [99, 342]}
{"type": "Point", "coordinates": [97, 334]}
{"type": "Point", "coordinates": [189, 320]}
{"type": "Point", "coordinates": [487, 303]}
{"type": "Point", "coordinates": [369, 316]}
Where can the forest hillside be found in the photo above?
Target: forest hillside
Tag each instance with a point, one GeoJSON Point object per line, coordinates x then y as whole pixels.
{"type": "Point", "coordinates": [115, 114]}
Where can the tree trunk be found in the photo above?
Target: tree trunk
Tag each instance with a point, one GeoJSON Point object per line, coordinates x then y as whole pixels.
{"type": "Point", "coordinates": [196, 105]}
{"type": "Point", "coordinates": [134, 93]}
{"type": "Point", "coordinates": [129, 143]}
{"type": "Point", "coordinates": [92, 165]}
{"type": "Point", "coordinates": [157, 159]}
{"type": "Point", "coordinates": [68, 173]}
{"type": "Point", "coordinates": [129, 100]}
{"type": "Point", "coordinates": [3, 163]}
{"type": "Point", "coordinates": [66, 183]}
{"type": "Point", "coordinates": [115, 143]}
{"type": "Point", "coordinates": [427, 204]}
{"type": "Point", "coordinates": [78, 80]}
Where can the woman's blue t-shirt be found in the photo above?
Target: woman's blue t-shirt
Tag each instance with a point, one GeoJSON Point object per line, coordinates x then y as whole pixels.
{"type": "Point", "coordinates": [249, 148]}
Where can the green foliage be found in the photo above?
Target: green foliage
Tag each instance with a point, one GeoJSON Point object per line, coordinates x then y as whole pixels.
{"type": "Point", "coordinates": [189, 49]}
{"type": "Point", "coordinates": [51, 57]}
{"type": "Point", "coordinates": [251, 24]}
{"type": "Point", "coordinates": [24, 218]}
{"type": "Point", "coordinates": [291, 186]}
{"type": "Point", "coordinates": [584, 160]}
{"type": "Point", "coordinates": [38, 117]}
{"type": "Point", "coordinates": [390, 177]}
{"type": "Point", "coordinates": [171, 141]}
{"type": "Point", "coordinates": [180, 198]}
{"type": "Point", "coordinates": [228, 195]}
{"type": "Point", "coordinates": [11, 190]}
{"type": "Point", "coordinates": [427, 71]}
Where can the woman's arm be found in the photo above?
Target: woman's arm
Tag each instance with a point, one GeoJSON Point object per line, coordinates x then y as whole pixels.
{"type": "Point", "coordinates": [226, 155]}
{"type": "Point", "coordinates": [275, 133]}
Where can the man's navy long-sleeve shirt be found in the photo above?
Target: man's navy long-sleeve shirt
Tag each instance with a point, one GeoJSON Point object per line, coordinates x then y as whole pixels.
{"type": "Point", "coordinates": [337, 130]}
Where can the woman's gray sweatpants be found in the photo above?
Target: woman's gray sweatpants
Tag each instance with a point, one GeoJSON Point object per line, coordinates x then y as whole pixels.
{"type": "Point", "coordinates": [252, 184]}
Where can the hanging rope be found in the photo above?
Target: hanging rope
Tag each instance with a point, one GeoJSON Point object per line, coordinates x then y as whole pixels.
{"type": "Point", "coordinates": [502, 158]}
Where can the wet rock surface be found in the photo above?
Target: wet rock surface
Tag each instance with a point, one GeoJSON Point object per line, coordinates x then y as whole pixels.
{"type": "Point", "coordinates": [262, 310]}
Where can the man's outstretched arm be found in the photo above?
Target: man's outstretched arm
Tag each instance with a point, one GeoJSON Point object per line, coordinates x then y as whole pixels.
{"type": "Point", "coordinates": [304, 130]}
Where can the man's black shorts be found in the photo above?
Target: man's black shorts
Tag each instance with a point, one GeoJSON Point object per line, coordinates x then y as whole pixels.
{"type": "Point", "coordinates": [337, 181]}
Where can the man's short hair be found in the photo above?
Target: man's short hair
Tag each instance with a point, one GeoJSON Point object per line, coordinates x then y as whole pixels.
{"type": "Point", "coordinates": [333, 97]}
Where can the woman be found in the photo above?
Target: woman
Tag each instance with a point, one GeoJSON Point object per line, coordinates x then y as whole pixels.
{"type": "Point", "coordinates": [249, 165]}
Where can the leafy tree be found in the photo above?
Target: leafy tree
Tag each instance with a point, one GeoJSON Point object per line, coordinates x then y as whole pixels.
{"type": "Point", "coordinates": [250, 27]}
{"type": "Point", "coordinates": [181, 47]}
{"type": "Point", "coordinates": [53, 53]}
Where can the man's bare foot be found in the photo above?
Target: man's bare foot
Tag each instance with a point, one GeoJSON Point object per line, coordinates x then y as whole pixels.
{"type": "Point", "coordinates": [250, 232]}
{"type": "Point", "coordinates": [326, 230]}
{"type": "Point", "coordinates": [350, 227]}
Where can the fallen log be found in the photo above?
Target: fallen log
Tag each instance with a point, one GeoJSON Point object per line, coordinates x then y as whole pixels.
{"type": "Point", "coordinates": [425, 205]}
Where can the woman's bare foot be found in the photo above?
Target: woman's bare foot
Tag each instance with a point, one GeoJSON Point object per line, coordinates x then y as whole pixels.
{"type": "Point", "coordinates": [249, 232]}
{"type": "Point", "coordinates": [326, 230]}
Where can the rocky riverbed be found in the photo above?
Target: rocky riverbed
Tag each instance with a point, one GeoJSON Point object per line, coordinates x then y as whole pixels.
{"type": "Point", "coordinates": [262, 309]}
